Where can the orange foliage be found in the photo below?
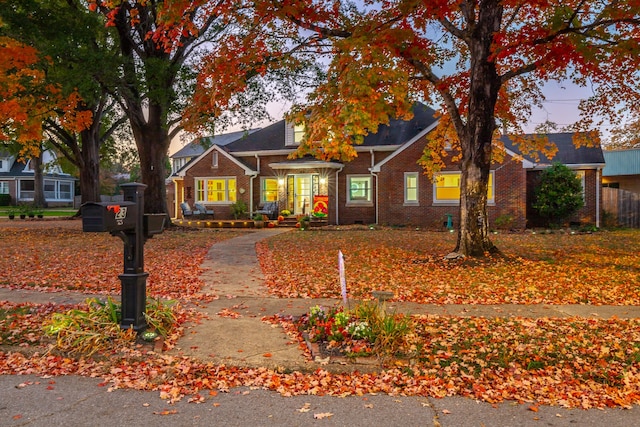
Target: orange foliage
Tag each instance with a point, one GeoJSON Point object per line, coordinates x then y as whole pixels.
{"type": "Point", "coordinates": [27, 99]}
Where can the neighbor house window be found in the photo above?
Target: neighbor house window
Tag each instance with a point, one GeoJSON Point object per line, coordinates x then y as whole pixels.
{"type": "Point", "coordinates": [65, 189]}
{"type": "Point", "coordinates": [216, 190]}
{"type": "Point", "coordinates": [214, 159]}
{"type": "Point", "coordinates": [411, 188]}
{"type": "Point", "coordinates": [4, 188]}
{"type": "Point", "coordinates": [27, 188]}
{"type": "Point", "coordinates": [446, 188]}
{"type": "Point", "coordinates": [268, 189]}
{"type": "Point", "coordinates": [359, 189]}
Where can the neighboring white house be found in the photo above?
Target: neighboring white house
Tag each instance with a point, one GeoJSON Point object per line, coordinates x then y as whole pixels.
{"type": "Point", "coordinates": [17, 180]}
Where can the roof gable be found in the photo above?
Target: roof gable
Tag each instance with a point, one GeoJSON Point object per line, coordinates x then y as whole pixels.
{"type": "Point", "coordinates": [197, 147]}
{"type": "Point", "coordinates": [220, 150]}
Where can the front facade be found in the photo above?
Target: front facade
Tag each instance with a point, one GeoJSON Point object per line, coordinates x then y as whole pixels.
{"type": "Point", "coordinates": [17, 180]}
{"type": "Point", "coordinates": [383, 185]}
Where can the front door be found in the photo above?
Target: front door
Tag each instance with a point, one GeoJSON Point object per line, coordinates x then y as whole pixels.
{"type": "Point", "coordinates": [299, 194]}
{"type": "Point", "coordinates": [302, 194]}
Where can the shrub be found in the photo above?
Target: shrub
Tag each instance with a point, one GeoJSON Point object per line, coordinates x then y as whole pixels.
{"type": "Point", "coordinates": [5, 199]}
{"type": "Point", "coordinates": [558, 194]}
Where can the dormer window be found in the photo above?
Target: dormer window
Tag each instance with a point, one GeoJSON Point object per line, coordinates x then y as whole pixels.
{"type": "Point", "coordinates": [214, 159]}
{"type": "Point", "coordinates": [298, 133]}
{"type": "Point", "coordinates": [294, 135]}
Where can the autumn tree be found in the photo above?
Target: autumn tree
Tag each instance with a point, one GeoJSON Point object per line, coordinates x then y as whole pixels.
{"type": "Point", "coordinates": [483, 62]}
{"type": "Point", "coordinates": [79, 61]}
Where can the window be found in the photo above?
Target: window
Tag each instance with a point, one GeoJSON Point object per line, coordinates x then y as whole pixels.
{"type": "Point", "coordinates": [359, 189]}
{"type": "Point", "coordinates": [298, 133]}
{"type": "Point", "coordinates": [268, 189]}
{"type": "Point", "coordinates": [216, 190]}
{"type": "Point", "coordinates": [214, 159]}
{"type": "Point", "coordinates": [65, 191]}
{"type": "Point", "coordinates": [4, 188]}
{"type": "Point", "coordinates": [446, 189]}
{"type": "Point", "coordinates": [49, 189]}
{"type": "Point", "coordinates": [294, 135]}
{"type": "Point", "coordinates": [411, 188]}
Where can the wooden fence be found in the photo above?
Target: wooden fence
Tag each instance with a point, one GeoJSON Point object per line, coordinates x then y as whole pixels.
{"type": "Point", "coordinates": [621, 206]}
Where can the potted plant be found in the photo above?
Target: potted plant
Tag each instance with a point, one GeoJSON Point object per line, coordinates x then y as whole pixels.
{"type": "Point", "coordinates": [24, 210]}
{"type": "Point", "coordinates": [39, 213]}
{"type": "Point", "coordinates": [11, 212]}
{"type": "Point", "coordinates": [258, 221]}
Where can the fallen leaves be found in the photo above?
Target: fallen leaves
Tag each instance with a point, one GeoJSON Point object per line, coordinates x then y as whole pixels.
{"type": "Point", "coordinates": [551, 268]}
{"type": "Point", "coordinates": [52, 259]}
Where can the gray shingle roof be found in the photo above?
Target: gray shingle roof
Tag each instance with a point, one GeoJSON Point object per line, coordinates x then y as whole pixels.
{"type": "Point", "coordinates": [567, 153]}
{"type": "Point", "coordinates": [195, 148]}
{"type": "Point", "coordinates": [396, 132]}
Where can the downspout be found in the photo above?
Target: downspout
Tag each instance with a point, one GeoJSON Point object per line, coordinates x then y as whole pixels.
{"type": "Point", "coordinates": [251, 178]}
{"type": "Point", "coordinates": [337, 198]}
{"type": "Point", "coordinates": [375, 176]}
{"type": "Point", "coordinates": [598, 197]}
{"type": "Point", "coordinates": [373, 162]}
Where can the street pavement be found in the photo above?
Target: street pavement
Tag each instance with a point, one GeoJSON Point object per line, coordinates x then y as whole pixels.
{"type": "Point", "coordinates": [233, 274]}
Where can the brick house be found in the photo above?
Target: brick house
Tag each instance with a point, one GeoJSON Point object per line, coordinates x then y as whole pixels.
{"type": "Point", "coordinates": [383, 185]}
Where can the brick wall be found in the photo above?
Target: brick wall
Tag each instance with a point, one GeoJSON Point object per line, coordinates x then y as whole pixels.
{"type": "Point", "coordinates": [510, 199]}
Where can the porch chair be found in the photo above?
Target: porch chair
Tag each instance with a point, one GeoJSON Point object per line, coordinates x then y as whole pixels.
{"type": "Point", "coordinates": [203, 209]}
{"type": "Point", "coordinates": [187, 211]}
{"type": "Point", "coordinates": [270, 209]}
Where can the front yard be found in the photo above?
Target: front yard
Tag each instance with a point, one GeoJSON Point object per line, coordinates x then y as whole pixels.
{"type": "Point", "coordinates": [574, 362]}
{"type": "Point", "coordinates": [559, 268]}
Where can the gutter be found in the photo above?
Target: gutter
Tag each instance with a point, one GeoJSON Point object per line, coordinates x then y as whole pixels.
{"type": "Point", "coordinates": [598, 175]}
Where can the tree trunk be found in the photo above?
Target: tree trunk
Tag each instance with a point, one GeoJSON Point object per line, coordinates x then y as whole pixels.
{"type": "Point", "coordinates": [89, 165]}
{"type": "Point", "coordinates": [39, 200]}
{"type": "Point", "coordinates": [152, 141]}
{"type": "Point", "coordinates": [473, 236]}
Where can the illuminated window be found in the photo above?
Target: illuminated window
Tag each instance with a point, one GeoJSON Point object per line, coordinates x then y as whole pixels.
{"type": "Point", "coordinates": [446, 189]}
{"type": "Point", "coordinates": [359, 189]}
{"type": "Point", "coordinates": [411, 188]}
{"type": "Point", "coordinates": [216, 190]}
{"type": "Point", "coordinates": [298, 133]}
{"type": "Point", "coordinates": [269, 189]}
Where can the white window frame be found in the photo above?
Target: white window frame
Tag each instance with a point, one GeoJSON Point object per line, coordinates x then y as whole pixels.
{"type": "Point", "coordinates": [200, 193]}
{"type": "Point", "coordinates": [407, 201]}
{"type": "Point", "coordinates": [4, 187]}
{"type": "Point", "coordinates": [368, 201]}
{"type": "Point", "coordinates": [262, 188]}
{"type": "Point", "coordinates": [450, 202]}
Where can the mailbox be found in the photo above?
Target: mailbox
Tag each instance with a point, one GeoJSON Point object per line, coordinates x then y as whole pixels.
{"type": "Point", "coordinates": [153, 224]}
{"type": "Point", "coordinates": [109, 217]}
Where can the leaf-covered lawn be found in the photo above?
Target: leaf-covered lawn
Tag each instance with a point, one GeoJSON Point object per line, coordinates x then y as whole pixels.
{"type": "Point", "coordinates": [569, 362]}
{"type": "Point", "coordinates": [67, 259]}
{"type": "Point", "coordinates": [599, 268]}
